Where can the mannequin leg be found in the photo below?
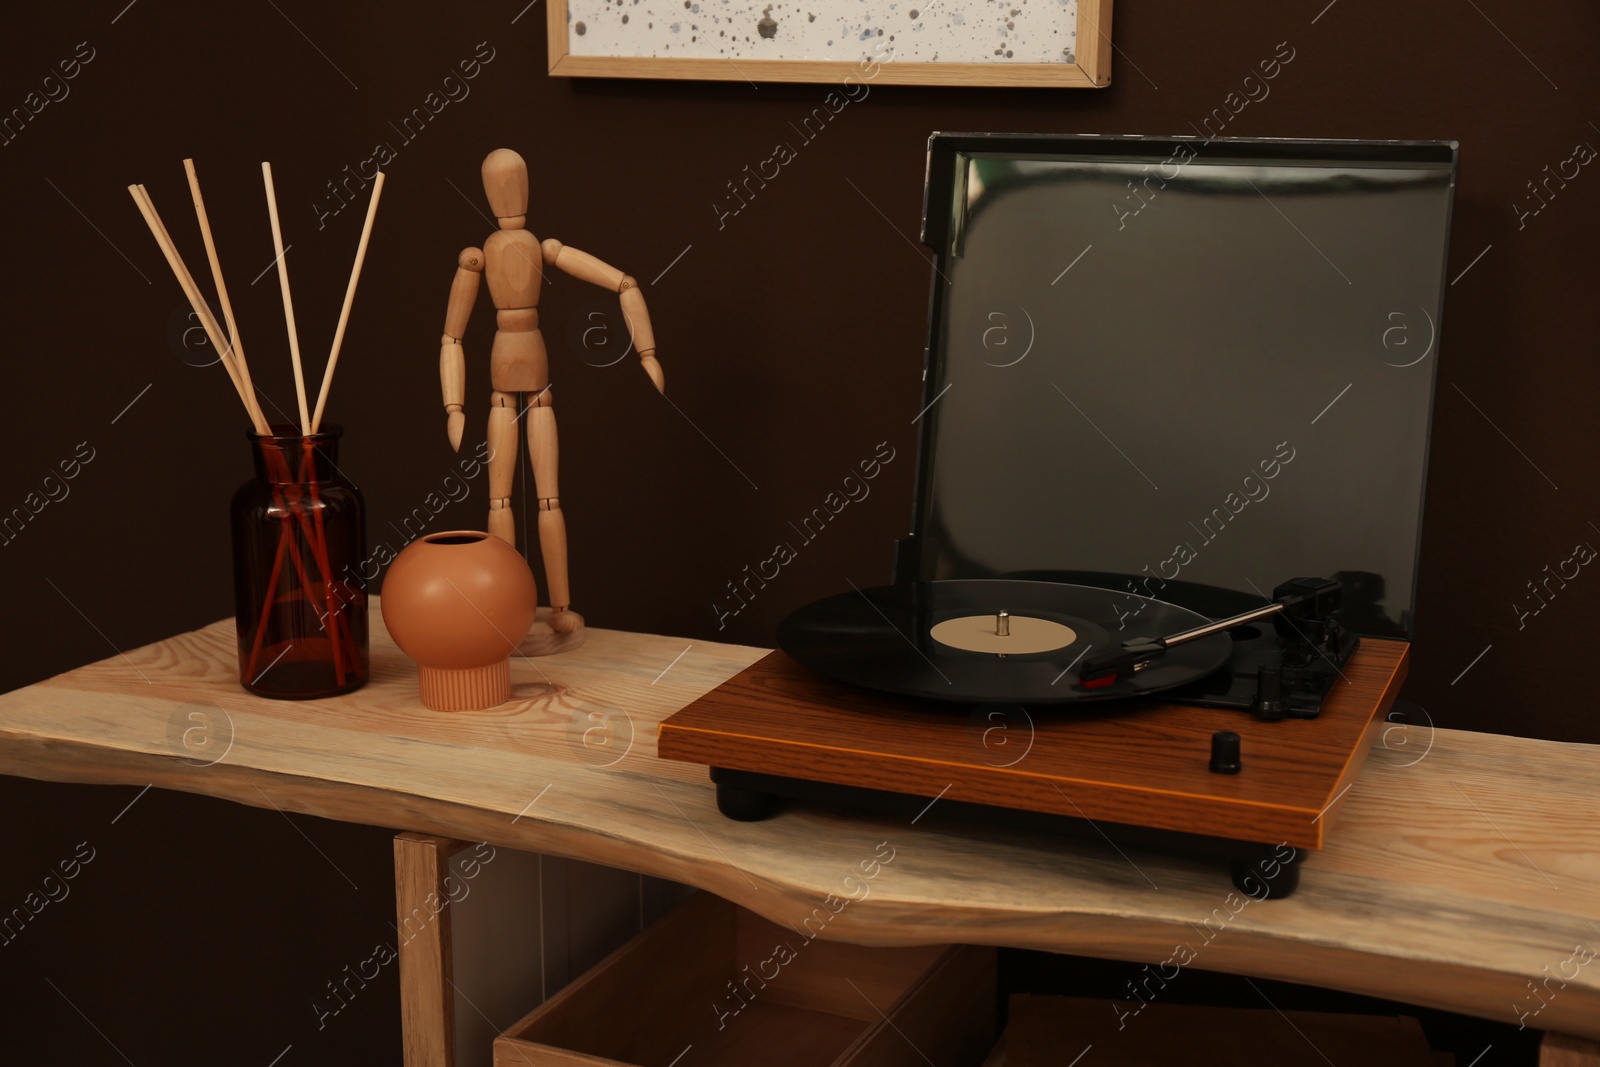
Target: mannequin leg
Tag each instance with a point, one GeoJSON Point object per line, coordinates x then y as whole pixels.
{"type": "Point", "coordinates": [502, 464]}
{"type": "Point", "coordinates": [543, 452]}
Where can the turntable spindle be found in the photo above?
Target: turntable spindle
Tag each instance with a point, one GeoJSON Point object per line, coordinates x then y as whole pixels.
{"type": "Point", "coordinates": [1002, 626]}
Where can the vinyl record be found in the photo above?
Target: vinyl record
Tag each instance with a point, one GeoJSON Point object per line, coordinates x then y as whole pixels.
{"type": "Point", "coordinates": [937, 640]}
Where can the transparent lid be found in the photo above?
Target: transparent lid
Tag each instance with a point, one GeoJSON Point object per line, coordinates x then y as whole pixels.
{"type": "Point", "coordinates": [1202, 368]}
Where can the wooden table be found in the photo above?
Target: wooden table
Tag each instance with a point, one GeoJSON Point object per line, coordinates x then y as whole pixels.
{"type": "Point", "coordinates": [1463, 865]}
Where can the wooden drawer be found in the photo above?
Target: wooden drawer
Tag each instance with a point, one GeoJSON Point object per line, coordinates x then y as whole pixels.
{"type": "Point", "coordinates": [713, 984]}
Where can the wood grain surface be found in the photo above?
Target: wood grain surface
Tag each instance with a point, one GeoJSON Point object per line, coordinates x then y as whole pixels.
{"type": "Point", "coordinates": [697, 981]}
{"type": "Point", "coordinates": [1144, 763]}
{"type": "Point", "coordinates": [1559, 1050]}
{"type": "Point", "coordinates": [1463, 864]}
{"type": "Point", "coordinates": [422, 923]}
{"type": "Point", "coordinates": [1049, 1031]}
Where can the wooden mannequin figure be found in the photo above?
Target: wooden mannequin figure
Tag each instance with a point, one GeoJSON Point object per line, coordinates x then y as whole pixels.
{"type": "Point", "coordinates": [519, 370]}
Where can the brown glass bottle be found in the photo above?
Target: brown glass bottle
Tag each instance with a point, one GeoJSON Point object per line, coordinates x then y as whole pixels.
{"type": "Point", "coordinates": [299, 540]}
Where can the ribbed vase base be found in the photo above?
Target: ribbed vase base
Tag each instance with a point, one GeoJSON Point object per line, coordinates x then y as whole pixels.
{"type": "Point", "coordinates": [466, 688]}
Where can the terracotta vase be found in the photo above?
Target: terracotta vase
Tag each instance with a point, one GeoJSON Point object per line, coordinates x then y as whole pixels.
{"type": "Point", "coordinates": [458, 603]}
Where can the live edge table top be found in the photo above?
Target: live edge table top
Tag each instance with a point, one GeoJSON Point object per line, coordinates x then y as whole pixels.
{"type": "Point", "coordinates": [1462, 866]}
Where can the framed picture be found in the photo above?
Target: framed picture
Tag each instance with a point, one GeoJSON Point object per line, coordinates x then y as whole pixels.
{"type": "Point", "coordinates": [1060, 43]}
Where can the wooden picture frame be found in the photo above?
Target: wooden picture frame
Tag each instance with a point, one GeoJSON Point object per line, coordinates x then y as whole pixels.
{"type": "Point", "coordinates": [1091, 68]}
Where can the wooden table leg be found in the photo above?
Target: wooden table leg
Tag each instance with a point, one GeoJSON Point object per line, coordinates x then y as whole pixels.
{"type": "Point", "coordinates": [422, 904]}
{"type": "Point", "coordinates": [1559, 1050]}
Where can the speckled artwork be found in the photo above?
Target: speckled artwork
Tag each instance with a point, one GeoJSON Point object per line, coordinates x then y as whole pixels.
{"type": "Point", "coordinates": [849, 31]}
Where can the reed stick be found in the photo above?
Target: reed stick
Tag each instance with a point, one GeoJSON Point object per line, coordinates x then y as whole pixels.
{"type": "Point", "coordinates": [319, 549]}
{"type": "Point", "coordinates": [208, 322]}
{"type": "Point", "coordinates": [222, 295]}
{"type": "Point", "coordinates": [318, 543]}
{"type": "Point", "coordinates": [349, 298]}
{"type": "Point", "coordinates": [266, 603]}
{"type": "Point", "coordinates": [288, 301]}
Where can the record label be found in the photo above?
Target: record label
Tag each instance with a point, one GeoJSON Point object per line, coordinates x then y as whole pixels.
{"type": "Point", "coordinates": [1018, 635]}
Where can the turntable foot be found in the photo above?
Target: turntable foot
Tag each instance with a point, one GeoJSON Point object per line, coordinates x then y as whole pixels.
{"type": "Point", "coordinates": [744, 805]}
{"type": "Point", "coordinates": [1266, 879]}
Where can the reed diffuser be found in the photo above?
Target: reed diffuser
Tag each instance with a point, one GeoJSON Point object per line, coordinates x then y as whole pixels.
{"type": "Point", "coordinates": [299, 525]}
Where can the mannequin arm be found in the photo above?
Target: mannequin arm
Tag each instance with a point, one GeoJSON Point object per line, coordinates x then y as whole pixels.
{"type": "Point", "coordinates": [587, 268]}
{"type": "Point", "coordinates": [452, 357]}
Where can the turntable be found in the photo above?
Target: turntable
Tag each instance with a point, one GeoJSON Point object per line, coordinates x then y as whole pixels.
{"type": "Point", "coordinates": [1161, 574]}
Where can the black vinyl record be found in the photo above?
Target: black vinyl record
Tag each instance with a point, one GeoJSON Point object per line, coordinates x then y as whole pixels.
{"type": "Point", "coordinates": [881, 639]}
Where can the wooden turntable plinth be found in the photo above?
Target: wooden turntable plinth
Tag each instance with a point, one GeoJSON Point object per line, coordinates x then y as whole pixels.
{"type": "Point", "coordinates": [1140, 764]}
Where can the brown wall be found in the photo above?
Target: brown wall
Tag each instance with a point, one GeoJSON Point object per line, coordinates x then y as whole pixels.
{"type": "Point", "coordinates": [791, 336]}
